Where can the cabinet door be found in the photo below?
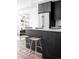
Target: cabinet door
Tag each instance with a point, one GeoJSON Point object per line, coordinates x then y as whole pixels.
{"type": "Point", "coordinates": [54, 44]}
{"type": "Point", "coordinates": [44, 7]}
{"type": "Point", "coordinates": [58, 10]}
{"type": "Point", "coordinates": [44, 44]}
{"type": "Point", "coordinates": [58, 36]}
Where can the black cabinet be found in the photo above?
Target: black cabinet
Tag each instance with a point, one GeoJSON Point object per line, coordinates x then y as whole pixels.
{"type": "Point", "coordinates": [44, 7]}
{"type": "Point", "coordinates": [44, 44]}
{"type": "Point", "coordinates": [54, 10]}
{"type": "Point", "coordinates": [58, 47]}
{"type": "Point", "coordinates": [51, 7]}
{"type": "Point", "coordinates": [51, 43]}
{"type": "Point", "coordinates": [57, 10]}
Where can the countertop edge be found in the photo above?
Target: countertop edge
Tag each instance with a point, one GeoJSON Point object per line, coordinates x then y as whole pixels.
{"type": "Point", "coordinates": [56, 30]}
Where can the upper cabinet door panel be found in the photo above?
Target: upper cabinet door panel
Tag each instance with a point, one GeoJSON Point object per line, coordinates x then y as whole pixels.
{"type": "Point", "coordinates": [44, 7]}
{"type": "Point", "coordinates": [58, 10]}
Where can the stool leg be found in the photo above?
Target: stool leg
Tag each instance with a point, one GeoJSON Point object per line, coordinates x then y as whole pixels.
{"type": "Point", "coordinates": [30, 47]}
{"type": "Point", "coordinates": [35, 48]}
{"type": "Point", "coordinates": [40, 44]}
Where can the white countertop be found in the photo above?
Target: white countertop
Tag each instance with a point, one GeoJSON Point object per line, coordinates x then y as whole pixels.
{"type": "Point", "coordinates": [56, 30]}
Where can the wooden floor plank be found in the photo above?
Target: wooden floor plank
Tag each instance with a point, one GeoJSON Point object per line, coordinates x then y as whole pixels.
{"type": "Point", "coordinates": [22, 51]}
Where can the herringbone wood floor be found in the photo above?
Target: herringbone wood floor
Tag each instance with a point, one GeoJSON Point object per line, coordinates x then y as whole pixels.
{"type": "Point", "coordinates": [22, 51]}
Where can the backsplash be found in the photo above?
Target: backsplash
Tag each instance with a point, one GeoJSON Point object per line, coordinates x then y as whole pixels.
{"type": "Point", "coordinates": [58, 23]}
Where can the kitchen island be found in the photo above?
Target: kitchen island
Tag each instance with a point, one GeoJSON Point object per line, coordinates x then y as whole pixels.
{"type": "Point", "coordinates": [51, 42]}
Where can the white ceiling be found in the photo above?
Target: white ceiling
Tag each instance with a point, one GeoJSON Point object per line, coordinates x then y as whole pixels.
{"type": "Point", "coordinates": [30, 3]}
{"type": "Point", "coordinates": [26, 4]}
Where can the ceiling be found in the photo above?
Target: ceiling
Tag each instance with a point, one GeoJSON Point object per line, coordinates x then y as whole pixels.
{"type": "Point", "coordinates": [30, 3]}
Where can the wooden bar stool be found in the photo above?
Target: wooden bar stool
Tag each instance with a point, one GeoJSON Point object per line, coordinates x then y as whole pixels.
{"type": "Point", "coordinates": [36, 40]}
{"type": "Point", "coordinates": [23, 37]}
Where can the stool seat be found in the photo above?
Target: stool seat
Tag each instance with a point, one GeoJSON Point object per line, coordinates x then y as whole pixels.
{"type": "Point", "coordinates": [25, 36]}
{"type": "Point", "coordinates": [34, 39]}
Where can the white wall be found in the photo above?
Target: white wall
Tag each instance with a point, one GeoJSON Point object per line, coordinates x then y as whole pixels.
{"type": "Point", "coordinates": [25, 7]}
{"type": "Point", "coordinates": [33, 16]}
